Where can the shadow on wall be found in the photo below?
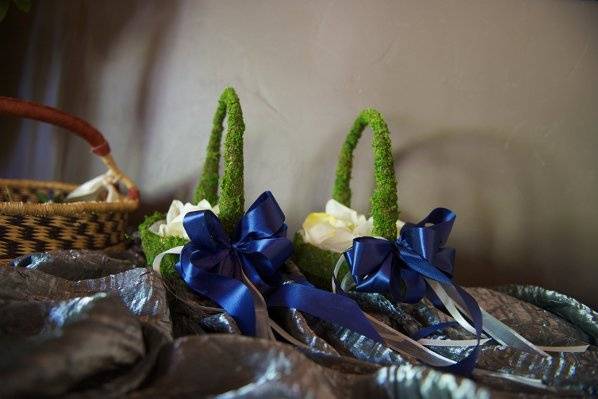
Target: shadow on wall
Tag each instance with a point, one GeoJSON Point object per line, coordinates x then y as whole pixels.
{"type": "Point", "coordinates": [518, 219]}
{"type": "Point", "coordinates": [54, 69]}
{"type": "Point", "coordinates": [511, 225]}
{"type": "Point", "coordinates": [92, 28]}
{"type": "Point", "coordinates": [14, 36]}
{"type": "Point", "coordinates": [58, 56]}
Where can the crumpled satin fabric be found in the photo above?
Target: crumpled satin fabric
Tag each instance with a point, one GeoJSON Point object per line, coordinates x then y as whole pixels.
{"type": "Point", "coordinates": [67, 334]}
{"type": "Point", "coordinates": [109, 328]}
{"type": "Point", "coordinates": [563, 373]}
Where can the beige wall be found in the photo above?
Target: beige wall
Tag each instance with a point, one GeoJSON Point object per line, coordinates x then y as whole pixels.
{"type": "Point", "coordinates": [491, 104]}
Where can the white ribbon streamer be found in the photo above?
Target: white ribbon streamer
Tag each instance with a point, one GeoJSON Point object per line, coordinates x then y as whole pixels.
{"type": "Point", "coordinates": [453, 302]}
{"type": "Point", "coordinates": [400, 342]}
{"type": "Point", "coordinates": [519, 379]}
{"type": "Point", "coordinates": [92, 189]}
{"type": "Point", "coordinates": [450, 306]}
{"type": "Point", "coordinates": [407, 346]}
{"type": "Point", "coordinates": [494, 327]}
{"type": "Point", "coordinates": [567, 349]}
{"type": "Point", "coordinates": [452, 342]}
{"type": "Point", "coordinates": [158, 259]}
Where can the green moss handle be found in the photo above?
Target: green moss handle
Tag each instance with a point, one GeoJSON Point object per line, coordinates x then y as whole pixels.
{"type": "Point", "coordinates": [232, 195]}
{"type": "Point", "coordinates": [385, 210]}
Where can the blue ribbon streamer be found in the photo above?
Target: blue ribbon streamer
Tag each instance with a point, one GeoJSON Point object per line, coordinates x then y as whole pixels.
{"type": "Point", "coordinates": [212, 265]}
{"type": "Point", "coordinates": [400, 268]}
{"type": "Point", "coordinates": [434, 328]}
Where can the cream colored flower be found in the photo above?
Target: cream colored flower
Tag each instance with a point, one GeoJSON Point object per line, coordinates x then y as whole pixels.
{"type": "Point", "coordinates": [173, 225]}
{"type": "Point", "coordinates": [335, 229]}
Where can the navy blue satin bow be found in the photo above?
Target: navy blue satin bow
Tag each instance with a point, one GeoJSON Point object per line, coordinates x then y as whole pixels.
{"type": "Point", "coordinates": [212, 264]}
{"type": "Point", "coordinates": [400, 267]}
{"type": "Point", "coordinates": [215, 266]}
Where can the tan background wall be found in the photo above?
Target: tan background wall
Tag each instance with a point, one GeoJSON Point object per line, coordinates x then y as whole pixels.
{"type": "Point", "coordinates": [492, 106]}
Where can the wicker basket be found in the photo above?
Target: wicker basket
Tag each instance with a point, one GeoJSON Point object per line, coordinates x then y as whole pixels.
{"type": "Point", "coordinates": [28, 225]}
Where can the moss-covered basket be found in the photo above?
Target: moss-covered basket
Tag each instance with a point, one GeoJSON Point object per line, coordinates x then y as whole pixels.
{"type": "Point", "coordinates": [318, 264]}
{"type": "Point", "coordinates": [231, 200]}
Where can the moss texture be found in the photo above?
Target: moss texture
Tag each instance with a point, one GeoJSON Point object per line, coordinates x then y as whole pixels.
{"type": "Point", "coordinates": [232, 197]}
{"type": "Point", "coordinates": [153, 245]}
{"type": "Point", "coordinates": [385, 210]}
{"type": "Point", "coordinates": [318, 264]}
{"type": "Point", "coordinates": [207, 186]}
{"type": "Point", "coordinates": [315, 263]}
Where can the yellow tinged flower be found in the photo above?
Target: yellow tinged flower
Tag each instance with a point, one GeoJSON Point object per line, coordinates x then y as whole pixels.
{"type": "Point", "coordinates": [335, 229]}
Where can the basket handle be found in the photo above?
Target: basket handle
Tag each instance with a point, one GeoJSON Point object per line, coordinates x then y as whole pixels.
{"type": "Point", "coordinates": [232, 197]}
{"type": "Point", "coordinates": [99, 145]}
{"type": "Point", "coordinates": [384, 199]}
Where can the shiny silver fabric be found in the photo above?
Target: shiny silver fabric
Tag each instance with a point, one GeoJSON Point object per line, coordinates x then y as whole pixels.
{"type": "Point", "coordinates": [81, 323]}
{"type": "Point", "coordinates": [66, 334]}
{"type": "Point", "coordinates": [566, 373]}
{"type": "Point", "coordinates": [581, 316]}
{"type": "Point", "coordinates": [201, 366]}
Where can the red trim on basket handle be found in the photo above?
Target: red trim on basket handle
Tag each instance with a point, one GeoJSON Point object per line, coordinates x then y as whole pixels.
{"type": "Point", "coordinates": [99, 145]}
{"type": "Point", "coordinates": [43, 113]}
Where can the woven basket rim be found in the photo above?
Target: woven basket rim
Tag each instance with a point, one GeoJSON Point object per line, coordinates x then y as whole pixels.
{"type": "Point", "coordinates": [60, 209]}
{"type": "Point", "coordinates": [116, 247]}
{"type": "Point", "coordinates": [28, 183]}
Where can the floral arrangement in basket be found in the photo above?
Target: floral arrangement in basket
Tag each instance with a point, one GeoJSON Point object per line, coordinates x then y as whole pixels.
{"type": "Point", "coordinates": [235, 258]}
{"type": "Point", "coordinates": [160, 232]}
{"type": "Point", "coordinates": [406, 262]}
{"type": "Point", "coordinates": [327, 234]}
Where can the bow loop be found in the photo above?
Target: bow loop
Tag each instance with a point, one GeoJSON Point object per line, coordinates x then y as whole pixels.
{"type": "Point", "coordinates": [410, 266]}
{"type": "Point", "coordinates": [219, 269]}
{"type": "Point", "coordinates": [428, 237]}
{"type": "Point", "coordinates": [435, 228]}
{"type": "Point", "coordinates": [263, 219]}
{"type": "Point", "coordinates": [243, 276]}
{"type": "Point", "coordinates": [400, 267]}
{"type": "Point", "coordinates": [205, 231]}
{"type": "Point", "coordinates": [419, 239]}
{"type": "Point", "coordinates": [421, 245]}
{"type": "Point", "coordinates": [209, 262]}
{"type": "Point", "coordinates": [367, 254]}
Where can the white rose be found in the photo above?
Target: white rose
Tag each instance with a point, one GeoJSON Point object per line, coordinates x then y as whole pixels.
{"type": "Point", "coordinates": [173, 225]}
{"type": "Point", "coordinates": [335, 229]}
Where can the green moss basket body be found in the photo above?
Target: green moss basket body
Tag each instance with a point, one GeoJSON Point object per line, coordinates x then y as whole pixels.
{"type": "Point", "coordinates": [315, 263]}
{"type": "Point", "coordinates": [153, 245]}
